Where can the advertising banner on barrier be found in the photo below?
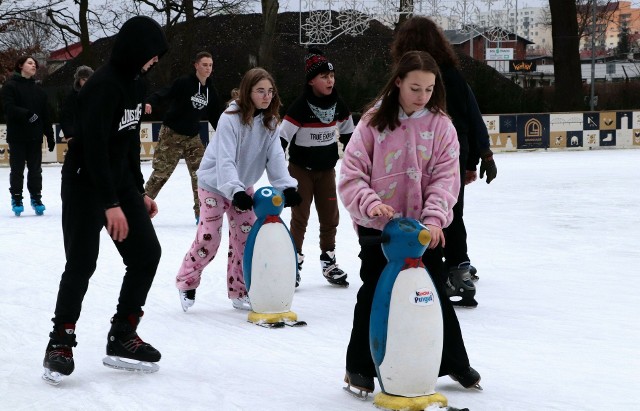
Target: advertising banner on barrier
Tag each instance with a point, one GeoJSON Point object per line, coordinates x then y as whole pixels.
{"type": "Point", "coordinates": [508, 132]}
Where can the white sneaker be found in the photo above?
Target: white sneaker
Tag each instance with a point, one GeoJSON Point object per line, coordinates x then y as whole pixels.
{"type": "Point", "coordinates": [187, 298]}
{"type": "Point", "coordinates": [241, 303]}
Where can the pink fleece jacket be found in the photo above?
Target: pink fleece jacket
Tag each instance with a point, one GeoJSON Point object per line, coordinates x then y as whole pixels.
{"type": "Point", "coordinates": [413, 169]}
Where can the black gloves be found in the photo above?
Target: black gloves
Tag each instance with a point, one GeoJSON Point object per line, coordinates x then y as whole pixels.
{"type": "Point", "coordinates": [487, 165]}
{"type": "Point", "coordinates": [32, 117]}
{"type": "Point", "coordinates": [51, 143]}
{"type": "Point", "coordinates": [291, 197]}
{"type": "Point", "coordinates": [242, 201]}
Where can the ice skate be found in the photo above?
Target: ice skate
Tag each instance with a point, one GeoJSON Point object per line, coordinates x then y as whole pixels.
{"type": "Point", "coordinates": [187, 298]}
{"type": "Point", "coordinates": [358, 385]}
{"type": "Point", "coordinates": [58, 357]}
{"type": "Point", "coordinates": [36, 204]}
{"type": "Point", "coordinates": [474, 273]}
{"type": "Point", "coordinates": [468, 378]}
{"type": "Point", "coordinates": [300, 261]}
{"type": "Point", "coordinates": [459, 284]}
{"type": "Point", "coordinates": [126, 350]}
{"type": "Point", "coordinates": [331, 271]}
{"type": "Point", "coordinates": [242, 303]}
{"type": "Point", "coordinates": [16, 204]}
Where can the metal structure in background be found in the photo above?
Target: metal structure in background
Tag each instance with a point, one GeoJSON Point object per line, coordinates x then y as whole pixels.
{"type": "Point", "coordinates": [322, 21]}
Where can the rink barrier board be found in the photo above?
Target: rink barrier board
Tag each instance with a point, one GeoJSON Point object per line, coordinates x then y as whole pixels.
{"type": "Point", "coordinates": [508, 132]}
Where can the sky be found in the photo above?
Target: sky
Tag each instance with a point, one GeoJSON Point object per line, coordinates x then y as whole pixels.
{"type": "Point", "coordinates": [554, 237]}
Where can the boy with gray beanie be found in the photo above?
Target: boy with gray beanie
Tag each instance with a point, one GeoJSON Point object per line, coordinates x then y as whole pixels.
{"type": "Point", "coordinates": [69, 108]}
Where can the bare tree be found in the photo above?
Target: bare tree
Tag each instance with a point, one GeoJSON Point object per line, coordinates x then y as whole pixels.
{"type": "Point", "coordinates": [79, 23]}
{"type": "Point", "coordinates": [605, 10]}
{"type": "Point", "coordinates": [173, 11]}
{"type": "Point", "coordinates": [30, 30]}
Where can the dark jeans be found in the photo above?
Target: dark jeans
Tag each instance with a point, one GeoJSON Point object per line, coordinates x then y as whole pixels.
{"type": "Point", "coordinates": [359, 360]}
{"type": "Point", "coordinates": [31, 153]}
{"type": "Point", "coordinates": [455, 251]}
{"type": "Point", "coordinates": [83, 217]}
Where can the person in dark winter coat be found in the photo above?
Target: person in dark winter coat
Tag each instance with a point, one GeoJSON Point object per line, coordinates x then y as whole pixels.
{"type": "Point", "coordinates": [25, 106]}
{"type": "Point", "coordinates": [314, 124]}
{"type": "Point", "coordinates": [70, 107]}
{"type": "Point", "coordinates": [102, 186]}
{"type": "Point", "coordinates": [423, 34]}
{"type": "Point", "coordinates": [193, 98]}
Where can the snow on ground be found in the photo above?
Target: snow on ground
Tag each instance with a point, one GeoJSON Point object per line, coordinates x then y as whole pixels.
{"type": "Point", "coordinates": [555, 239]}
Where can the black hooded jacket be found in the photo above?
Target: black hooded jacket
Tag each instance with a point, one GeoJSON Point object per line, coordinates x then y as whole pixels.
{"type": "Point", "coordinates": [105, 152]}
{"type": "Point", "coordinates": [21, 99]}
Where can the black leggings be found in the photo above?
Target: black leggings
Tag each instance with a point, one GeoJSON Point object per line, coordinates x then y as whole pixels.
{"type": "Point", "coordinates": [359, 360]}
{"type": "Point", "coordinates": [83, 217]}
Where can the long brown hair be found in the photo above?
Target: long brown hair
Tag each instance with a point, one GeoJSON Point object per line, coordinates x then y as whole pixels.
{"type": "Point", "coordinates": [423, 34]}
{"type": "Point", "coordinates": [245, 104]}
{"type": "Point", "coordinates": [388, 102]}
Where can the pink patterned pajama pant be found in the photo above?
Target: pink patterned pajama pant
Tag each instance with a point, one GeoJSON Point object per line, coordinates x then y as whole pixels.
{"type": "Point", "coordinates": [205, 246]}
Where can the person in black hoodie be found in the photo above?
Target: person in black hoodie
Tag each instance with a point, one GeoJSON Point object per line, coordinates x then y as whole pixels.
{"type": "Point", "coordinates": [70, 106]}
{"type": "Point", "coordinates": [422, 33]}
{"type": "Point", "coordinates": [102, 186]}
{"type": "Point", "coordinates": [193, 98]}
{"type": "Point", "coordinates": [25, 106]}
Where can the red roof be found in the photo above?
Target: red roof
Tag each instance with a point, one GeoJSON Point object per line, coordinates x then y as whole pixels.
{"type": "Point", "coordinates": [66, 53]}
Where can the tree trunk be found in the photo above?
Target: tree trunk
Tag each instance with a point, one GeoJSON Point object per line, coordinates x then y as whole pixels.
{"type": "Point", "coordinates": [88, 57]}
{"type": "Point", "coordinates": [566, 56]}
{"type": "Point", "coordinates": [270, 18]}
{"type": "Point", "coordinates": [406, 11]}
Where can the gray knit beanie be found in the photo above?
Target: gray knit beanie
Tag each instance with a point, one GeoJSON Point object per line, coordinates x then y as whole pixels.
{"type": "Point", "coordinates": [82, 72]}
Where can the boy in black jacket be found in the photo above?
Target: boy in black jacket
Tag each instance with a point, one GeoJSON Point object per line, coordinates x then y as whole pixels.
{"type": "Point", "coordinates": [102, 185]}
{"type": "Point", "coordinates": [193, 98]}
{"type": "Point", "coordinates": [312, 127]}
{"type": "Point", "coordinates": [25, 105]}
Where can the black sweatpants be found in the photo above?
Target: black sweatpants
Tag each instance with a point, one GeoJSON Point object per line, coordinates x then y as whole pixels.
{"type": "Point", "coordinates": [31, 153]}
{"type": "Point", "coordinates": [83, 217]}
{"type": "Point", "coordinates": [455, 234]}
{"type": "Point", "coordinates": [359, 360]}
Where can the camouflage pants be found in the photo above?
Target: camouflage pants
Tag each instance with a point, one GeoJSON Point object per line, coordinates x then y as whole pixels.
{"type": "Point", "coordinates": [170, 149]}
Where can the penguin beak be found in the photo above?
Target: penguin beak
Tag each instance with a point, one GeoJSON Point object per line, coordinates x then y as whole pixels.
{"type": "Point", "coordinates": [424, 237]}
{"type": "Point", "coordinates": [276, 201]}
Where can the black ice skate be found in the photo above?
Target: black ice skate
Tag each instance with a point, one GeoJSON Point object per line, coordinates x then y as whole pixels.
{"type": "Point", "coordinates": [474, 273]}
{"type": "Point", "coordinates": [331, 271]}
{"type": "Point", "coordinates": [58, 358]}
{"type": "Point", "coordinates": [126, 350]}
{"type": "Point", "coordinates": [468, 378]}
{"type": "Point", "coordinates": [459, 284]}
{"type": "Point", "coordinates": [300, 261]}
{"type": "Point", "coordinates": [358, 385]}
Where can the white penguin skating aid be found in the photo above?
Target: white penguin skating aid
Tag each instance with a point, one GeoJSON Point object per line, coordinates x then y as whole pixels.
{"type": "Point", "coordinates": [406, 328]}
{"type": "Point", "coordinates": [270, 264]}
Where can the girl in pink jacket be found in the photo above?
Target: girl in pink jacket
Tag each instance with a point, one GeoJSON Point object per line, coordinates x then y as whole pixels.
{"type": "Point", "coordinates": [402, 161]}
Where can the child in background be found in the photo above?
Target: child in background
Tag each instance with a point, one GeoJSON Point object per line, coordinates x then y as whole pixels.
{"type": "Point", "coordinates": [246, 143]}
{"type": "Point", "coordinates": [402, 161]}
{"type": "Point", "coordinates": [312, 127]}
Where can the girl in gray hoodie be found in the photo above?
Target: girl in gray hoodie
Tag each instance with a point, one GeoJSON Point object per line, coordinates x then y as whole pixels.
{"type": "Point", "coordinates": [245, 145]}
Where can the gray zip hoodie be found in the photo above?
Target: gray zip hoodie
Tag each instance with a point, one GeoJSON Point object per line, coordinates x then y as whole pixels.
{"type": "Point", "coordinates": [238, 155]}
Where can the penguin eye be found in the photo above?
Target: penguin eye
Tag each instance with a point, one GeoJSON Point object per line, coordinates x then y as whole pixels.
{"type": "Point", "coordinates": [267, 192]}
